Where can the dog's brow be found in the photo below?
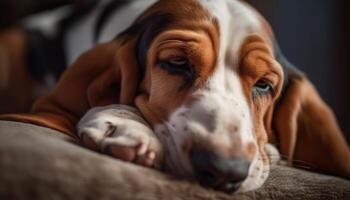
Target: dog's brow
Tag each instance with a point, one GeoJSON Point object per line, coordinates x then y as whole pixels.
{"type": "Point", "coordinates": [153, 26]}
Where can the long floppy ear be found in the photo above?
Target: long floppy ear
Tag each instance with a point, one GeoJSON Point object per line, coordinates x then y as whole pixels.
{"type": "Point", "coordinates": [107, 74]}
{"type": "Point", "coordinates": [306, 127]}
{"type": "Point", "coordinates": [103, 75]}
{"type": "Point", "coordinates": [122, 76]}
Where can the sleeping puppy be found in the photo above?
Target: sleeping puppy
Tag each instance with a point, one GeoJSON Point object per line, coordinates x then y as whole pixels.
{"type": "Point", "coordinates": [201, 88]}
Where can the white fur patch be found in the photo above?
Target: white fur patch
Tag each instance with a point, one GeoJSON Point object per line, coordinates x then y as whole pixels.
{"type": "Point", "coordinates": [236, 21]}
{"type": "Point", "coordinates": [82, 33]}
{"type": "Point", "coordinates": [47, 22]}
{"type": "Point", "coordinates": [129, 130]}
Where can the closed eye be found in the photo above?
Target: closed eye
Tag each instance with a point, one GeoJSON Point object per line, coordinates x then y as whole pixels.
{"type": "Point", "coordinates": [178, 62]}
{"type": "Point", "coordinates": [179, 67]}
{"type": "Point", "coordinates": [176, 66]}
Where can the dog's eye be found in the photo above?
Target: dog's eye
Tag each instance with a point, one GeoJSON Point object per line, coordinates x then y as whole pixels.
{"type": "Point", "coordinates": [176, 66]}
{"type": "Point", "coordinates": [262, 87]}
{"type": "Point", "coordinates": [178, 62]}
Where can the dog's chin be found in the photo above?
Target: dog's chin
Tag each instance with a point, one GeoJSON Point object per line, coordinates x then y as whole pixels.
{"type": "Point", "coordinates": [258, 173]}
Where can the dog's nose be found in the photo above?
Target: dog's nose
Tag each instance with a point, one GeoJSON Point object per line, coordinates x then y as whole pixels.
{"type": "Point", "coordinates": [219, 172]}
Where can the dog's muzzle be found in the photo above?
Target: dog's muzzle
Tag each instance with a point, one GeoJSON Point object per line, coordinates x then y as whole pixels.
{"type": "Point", "coordinates": [209, 139]}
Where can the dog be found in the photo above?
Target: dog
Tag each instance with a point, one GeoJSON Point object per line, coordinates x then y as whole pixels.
{"type": "Point", "coordinates": [195, 87]}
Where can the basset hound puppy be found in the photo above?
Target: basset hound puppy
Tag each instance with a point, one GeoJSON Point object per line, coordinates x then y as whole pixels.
{"type": "Point", "coordinates": [196, 87]}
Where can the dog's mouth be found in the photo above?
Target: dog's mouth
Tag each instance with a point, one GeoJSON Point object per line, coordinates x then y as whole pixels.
{"type": "Point", "coordinates": [203, 140]}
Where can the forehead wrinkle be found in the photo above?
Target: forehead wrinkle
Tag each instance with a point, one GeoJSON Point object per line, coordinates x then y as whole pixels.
{"type": "Point", "coordinates": [191, 15]}
{"type": "Point", "coordinates": [202, 21]}
{"type": "Point", "coordinates": [179, 11]}
{"type": "Point", "coordinates": [163, 15]}
{"type": "Point", "coordinates": [213, 33]}
{"type": "Point", "coordinates": [236, 21]}
{"type": "Point", "coordinates": [272, 66]}
{"type": "Point", "coordinates": [154, 25]}
{"type": "Point", "coordinates": [211, 29]}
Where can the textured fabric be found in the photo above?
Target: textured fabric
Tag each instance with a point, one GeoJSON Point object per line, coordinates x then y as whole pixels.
{"type": "Point", "coordinates": [39, 163]}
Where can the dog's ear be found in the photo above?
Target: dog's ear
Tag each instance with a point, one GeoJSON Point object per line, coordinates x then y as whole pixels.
{"type": "Point", "coordinates": [130, 60]}
{"type": "Point", "coordinates": [119, 82]}
{"type": "Point", "coordinates": [104, 75]}
{"type": "Point", "coordinates": [307, 130]}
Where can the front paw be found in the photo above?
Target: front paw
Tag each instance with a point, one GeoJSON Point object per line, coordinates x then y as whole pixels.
{"type": "Point", "coordinates": [119, 131]}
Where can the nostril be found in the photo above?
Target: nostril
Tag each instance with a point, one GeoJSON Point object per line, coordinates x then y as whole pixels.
{"type": "Point", "coordinates": [230, 186]}
{"type": "Point", "coordinates": [206, 177]}
{"type": "Point", "coordinates": [236, 170]}
{"type": "Point", "coordinates": [219, 172]}
{"type": "Point", "coordinates": [203, 165]}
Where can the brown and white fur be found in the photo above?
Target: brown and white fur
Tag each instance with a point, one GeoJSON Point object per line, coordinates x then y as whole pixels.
{"type": "Point", "coordinates": [205, 76]}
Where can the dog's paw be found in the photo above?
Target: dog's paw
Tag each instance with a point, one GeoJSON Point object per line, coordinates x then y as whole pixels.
{"type": "Point", "coordinates": [121, 132]}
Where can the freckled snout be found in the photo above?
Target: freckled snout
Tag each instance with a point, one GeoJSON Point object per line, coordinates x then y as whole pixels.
{"type": "Point", "coordinates": [213, 170]}
{"type": "Point", "coordinates": [214, 140]}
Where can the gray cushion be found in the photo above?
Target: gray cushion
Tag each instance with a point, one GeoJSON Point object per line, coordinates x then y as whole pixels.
{"type": "Point", "coordinates": [39, 163]}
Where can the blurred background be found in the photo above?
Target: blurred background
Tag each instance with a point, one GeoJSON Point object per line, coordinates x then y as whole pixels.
{"type": "Point", "coordinates": [313, 36]}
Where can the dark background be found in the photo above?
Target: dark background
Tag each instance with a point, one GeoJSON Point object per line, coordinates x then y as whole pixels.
{"type": "Point", "coordinates": [314, 35]}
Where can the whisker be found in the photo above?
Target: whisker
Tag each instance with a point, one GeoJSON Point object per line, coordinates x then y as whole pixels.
{"type": "Point", "coordinates": [303, 164]}
{"type": "Point", "coordinates": [295, 163]}
{"type": "Point", "coordinates": [273, 156]}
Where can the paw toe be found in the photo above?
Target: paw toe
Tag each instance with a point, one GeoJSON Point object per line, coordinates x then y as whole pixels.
{"type": "Point", "coordinates": [124, 153]}
{"type": "Point", "coordinates": [88, 142]}
{"type": "Point", "coordinates": [147, 159]}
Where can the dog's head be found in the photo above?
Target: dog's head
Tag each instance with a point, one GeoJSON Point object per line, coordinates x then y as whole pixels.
{"type": "Point", "coordinates": [209, 77]}
{"type": "Point", "coordinates": [209, 82]}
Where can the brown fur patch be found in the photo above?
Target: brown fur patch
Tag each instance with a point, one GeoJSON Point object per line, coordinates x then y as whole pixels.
{"type": "Point", "coordinates": [16, 85]}
{"type": "Point", "coordinates": [258, 63]}
{"type": "Point", "coordinates": [195, 34]}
